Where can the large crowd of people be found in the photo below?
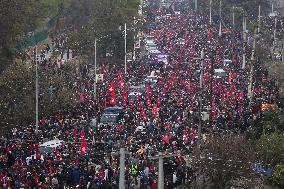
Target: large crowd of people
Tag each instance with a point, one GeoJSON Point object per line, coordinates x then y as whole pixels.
{"type": "Point", "coordinates": [163, 119]}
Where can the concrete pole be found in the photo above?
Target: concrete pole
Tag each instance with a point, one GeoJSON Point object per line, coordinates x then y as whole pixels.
{"type": "Point", "coordinates": [220, 18]}
{"type": "Point", "coordinates": [259, 20]}
{"type": "Point", "coordinates": [125, 50]}
{"type": "Point", "coordinates": [134, 52]}
{"type": "Point", "coordinates": [233, 16]}
{"type": "Point", "coordinates": [200, 98]}
{"type": "Point", "coordinates": [36, 64]}
{"type": "Point", "coordinates": [210, 13]}
{"type": "Point", "coordinates": [95, 83]}
{"type": "Point", "coordinates": [195, 5]}
{"type": "Point", "coordinates": [250, 87]}
{"type": "Point", "coordinates": [274, 33]}
{"type": "Point", "coordinates": [244, 42]}
{"type": "Point", "coordinates": [122, 169]}
{"type": "Point", "coordinates": [161, 172]}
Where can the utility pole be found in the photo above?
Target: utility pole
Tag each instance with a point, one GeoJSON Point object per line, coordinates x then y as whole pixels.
{"type": "Point", "coordinates": [274, 33]}
{"type": "Point", "coordinates": [250, 87]}
{"type": "Point", "coordinates": [233, 16]}
{"type": "Point", "coordinates": [122, 169]}
{"type": "Point", "coordinates": [200, 99]}
{"type": "Point", "coordinates": [200, 95]}
{"type": "Point", "coordinates": [259, 20]}
{"type": "Point", "coordinates": [125, 51]}
{"type": "Point", "coordinates": [220, 18]}
{"type": "Point", "coordinates": [210, 13]}
{"type": "Point", "coordinates": [36, 64]}
{"type": "Point", "coordinates": [161, 157]}
{"type": "Point", "coordinates": [134, 51]}
{"type": "Point", "coordinates": [95, 83]}
{"type": "Point", "coordinates": [161, 172]}
{"type": "Point", "coordinates": [244, 42]}
{"type": "Point", "coordinates": [195, 5]}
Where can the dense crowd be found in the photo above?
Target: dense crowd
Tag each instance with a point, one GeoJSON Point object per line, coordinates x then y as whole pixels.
{"type": "Point", "coordinates": [164, 119]}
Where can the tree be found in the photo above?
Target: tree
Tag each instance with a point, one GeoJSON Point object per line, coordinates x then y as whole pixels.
{"type": "Point", "coordinates": [225, 159]}
{"type": "Point", "coordinates": [104, 20]}
{"type": "Point", "coordinates": [17, 89]}
{"type": "Point", "coordinates": [17, 18]}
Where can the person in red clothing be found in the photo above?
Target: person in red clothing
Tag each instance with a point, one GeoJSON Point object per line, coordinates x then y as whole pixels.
{"type": "Point", "coordinates": [154, 184]}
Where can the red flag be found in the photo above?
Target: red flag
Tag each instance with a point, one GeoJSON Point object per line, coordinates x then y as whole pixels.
{"type": "Point", "coordinates": [111, 88]}
{"type": "Point", "coordinates": [192, 134]}
{"type": "Point", "coordinates": [155, 110]}
{"type": "Point", "coordinates": [82, 98]}
{"type": "Point", "coordinates": [230, 77]}
{"type": "Point", "coordinates": [143, 114]}
{"type": "Point", "coordinates": [103, 69]}
{"type": "Point", "coordinates": [82, 133]}
{"type": "Point", "coordinates": [119, 76]}
{"type": "Point", "coordinates": [166, 139]}
{"type": "Point", "coordinates": [124, 97]}
{"type": "Point", "coordinates": [83, 147]}
{"type": "Point", "coordinates": [148, 89]}
{"type": "Point", "coordinates": [113, 99]}
{"type": "Point", "coordinates": [209, 34]}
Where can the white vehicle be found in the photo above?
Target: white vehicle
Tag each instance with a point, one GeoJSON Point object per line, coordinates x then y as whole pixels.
{"type": "Point", "coordinates": [219, 73]}
{"type": "Point", "coordinates": [155, 51]}
{"type": "Point", "coordinates": [152, 77]}
{"type": "Point", "coordinates": [30, 158]}
{"type": "Point", "coordinates": [227, 62]}
{"type": "Point", "coordinates": [50, 146]}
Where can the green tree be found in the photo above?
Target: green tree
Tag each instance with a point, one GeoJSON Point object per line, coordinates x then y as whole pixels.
{"type": "Point", "coordinates": [271, 149]}
{"type": "Point", "coordinates": [17, 89]}
{"type": "Point", "coordinates": [104, 20]}
{"type": "Point", "coordinates": [277, 178]}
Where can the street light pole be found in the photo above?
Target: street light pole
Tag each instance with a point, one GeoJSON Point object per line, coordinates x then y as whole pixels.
{"type": "Point", "coordinates": [220, 18]}
{"type": "Point", "coordinates": [210, 8]}
{"type": "Point", "coordinates": [161, 172]}
{"type": "Point", "coordinates": [122, 169]}
{"type": "Point", "coordinates": [244, 42]}
{"type": "Point", "coordinates": [200, 99]}
{"type": "Point", "coordinates": [250, 86]}
{"type": "Point", "coordinates": [259, 15]}
{"type": "Point", "coordinates": [95, 83]}
{"type": "Point", "coordinates": [36, 64]}
{"type": "Point", "coordinates": [125, 50]}
{"type": "Point", "coordinates": [134, 52]}
{"type": "Point", "coordinates": [233, 16]}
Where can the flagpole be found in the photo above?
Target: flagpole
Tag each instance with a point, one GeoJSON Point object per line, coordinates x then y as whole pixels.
{"type": "Point", "coordinates": [125, 50]}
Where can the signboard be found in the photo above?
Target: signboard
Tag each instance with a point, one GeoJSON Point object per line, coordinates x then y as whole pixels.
{"type": "Point", "coordinates": [137, 44]}
{"type": "Point", "coordinates": [100, 77]}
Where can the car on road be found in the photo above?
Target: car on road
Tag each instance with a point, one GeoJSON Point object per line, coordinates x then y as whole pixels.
{"type": "Point", "coordinates": [111, 115]}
